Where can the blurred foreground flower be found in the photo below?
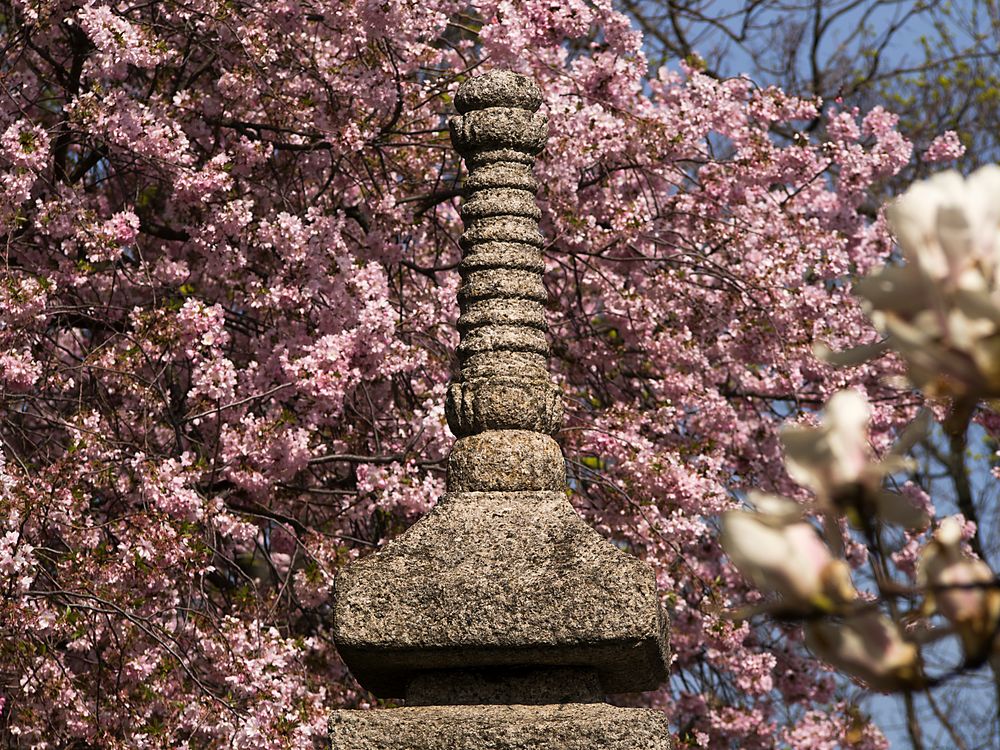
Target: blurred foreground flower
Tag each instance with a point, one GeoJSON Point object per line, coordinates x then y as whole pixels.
{"type": "Point", "coordinates": [835, 461]}
{"type": "Point", "coordinates": [779, 552]}
{"type": "Point", "coordinates": [941, 310]}
{"type": "Point", "coordinates": [960, 588]}
{"type": "Point", "coordinates": [870, 647]}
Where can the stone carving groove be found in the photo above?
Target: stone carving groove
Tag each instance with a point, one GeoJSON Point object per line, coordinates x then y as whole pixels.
{"type": "Point", "coordinates": [501, 617]}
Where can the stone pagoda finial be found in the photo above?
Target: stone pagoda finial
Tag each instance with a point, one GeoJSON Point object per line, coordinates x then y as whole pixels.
{"type": "Point", "coordinates": [503, 406]}
{"type": "Point", "coordinates": [500, 616]}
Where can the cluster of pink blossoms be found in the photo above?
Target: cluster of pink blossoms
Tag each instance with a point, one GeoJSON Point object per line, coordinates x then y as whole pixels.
{"type": "Point", "coordinates": [228, 306]}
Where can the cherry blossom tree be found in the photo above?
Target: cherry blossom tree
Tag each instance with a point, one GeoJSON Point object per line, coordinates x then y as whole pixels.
{"type": "Point", "coordinates": [227, 323]}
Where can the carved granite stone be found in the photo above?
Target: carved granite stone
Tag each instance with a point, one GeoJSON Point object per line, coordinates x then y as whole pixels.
{"type": "Point", "coordinates": [501, 617]}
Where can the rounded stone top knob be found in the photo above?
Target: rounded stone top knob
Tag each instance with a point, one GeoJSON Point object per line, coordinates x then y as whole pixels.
{"type": "Point", "coordinates": [498, 88]}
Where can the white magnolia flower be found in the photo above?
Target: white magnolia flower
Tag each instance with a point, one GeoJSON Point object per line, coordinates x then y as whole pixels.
{"type": "Point", "coordinates": [960, 588]}
{"type": "Point", "coordinates": [869, 647]}
{"type": "Point", "coordinates": [834, 454]}
{"type": "Point", "coordinates": [948, 226]}
{"type": "Point", "coordinates": [779, 552]}
{"type": "Point", "coordinates": [941, 311]}
{"type": "Point", "coordinates": [835, 461]}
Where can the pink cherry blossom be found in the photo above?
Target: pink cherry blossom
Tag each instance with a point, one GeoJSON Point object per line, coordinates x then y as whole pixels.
{"type": "Point", "coordinates": [946, 147]}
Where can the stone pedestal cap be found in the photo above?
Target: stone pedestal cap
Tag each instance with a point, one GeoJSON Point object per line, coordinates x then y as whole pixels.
{"type": "Point", "coordinates": [500, 579]}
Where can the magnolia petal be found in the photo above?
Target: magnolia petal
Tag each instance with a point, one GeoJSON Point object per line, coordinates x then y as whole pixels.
{"type": "Point", "coordinates": [977, 304]}
{"type": "Point", "coordinates": [899, 510]}
{"type": "Point", "coordinates": [846, 418]}
{"type": "Point", "coordinates": [986, 354]}
{"type": "Point", "coordinates": [931, 366]}
{"type": "Point", "coordinates": [955, 235]}
{"type": "Point", "coordinates": [787, 561]}
{"type": "Point", "coordinates": [892, 463]}
{"type": "Point", "coordinates": [961, 588]}
{"type": "Point", "coordinates": [848, 411]}
{"type": "Point", "coordinates": [911, 217]}
{"type": "Point", "coordinates": [916, 431]}
{"type": "Point", "coordinates": [850, 357]}
{"type": "Point", "coordinates": [985, 181]}
{"type": "Point", "coordinates": [807, 456]}
{"type": "Point", "coordinates": [775, 510]}
{"type": "Point", "coordinates": [869, 647]}
{"type": "Point", "coordinates": [904, 290]}
{"type": "Point", "coordinates": [828, 458]}
{"type": "Point", "coordinates": [923, 331]}
{"type": "Point", "coordinates": [837, 581]}
{"type": "Point", "coordinates": [965, 332]}
{"type": "Point", "coordinates": [941, 310]}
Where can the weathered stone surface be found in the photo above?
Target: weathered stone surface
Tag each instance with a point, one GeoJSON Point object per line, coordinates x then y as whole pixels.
{"type": "Point", "coordinates": [504, 364]}
{"type": "Point", "coordinates": [498, 337]}
{"type": "Point", "coordinates": [502, 312]}
{"type": "Point", "coordinates": [499, 88]}
{"type": "Point", "coordinates": [503, 403]}
{"type": "Point", "coordinates": [501, 617]}
{"type": "Point", "coordinates": [506, 460]}
{"type": "Point", "coordinates": [499, 128]}
{"type": "Point", "coordinates": [503, 255]}
{"type": "Point", "coordinates": [476, 160]}
{"type": "Point", "coordinates": [502, 229]}
{"type": "Point", "coordinates": [500, 578]}
{"type": "Point", "coordinates": [503, 338]}
{"type": "Point", "coordinates": [523, 685]}
{"type": "Point", "coordinates": [502, 174]}
{"type": "Point", "coordinates": [567, 726]}
{"type": "Point", "coordinates": [501, 202]}
{"type": "Point", "coordinates": [493, 283]}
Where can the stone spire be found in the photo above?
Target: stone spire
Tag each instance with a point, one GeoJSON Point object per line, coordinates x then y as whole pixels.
{"type": "Point", "coordinates": [502, 407]}
{"type": "Point", "coordinates": [501, 611]}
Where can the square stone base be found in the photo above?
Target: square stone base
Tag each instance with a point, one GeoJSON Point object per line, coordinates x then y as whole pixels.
{"type": "Point", "coordinates": [567, 726]}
